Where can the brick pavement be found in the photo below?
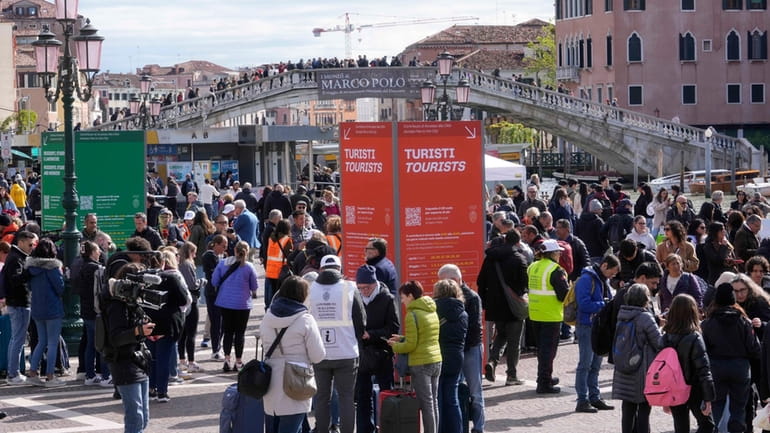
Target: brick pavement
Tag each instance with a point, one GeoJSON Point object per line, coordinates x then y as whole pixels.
{"type": "Point", "coordinates": [194, 406]}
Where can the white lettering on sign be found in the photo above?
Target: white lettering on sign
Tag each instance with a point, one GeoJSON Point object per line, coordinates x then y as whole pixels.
{"type": "Point", "coordinates": [364, 161]}
{"type": "Point", "coordinates": [424, 160]}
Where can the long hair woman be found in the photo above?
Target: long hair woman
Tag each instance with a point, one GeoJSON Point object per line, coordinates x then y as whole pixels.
{"type": "Point", "coordinates": [421, 343]}
{"type": "Point", "coordinates": [682, 332]}
{"type": "Point", "coordinates": [236, 279]}
{"type": "Point", "coordinates": [450, 307]}
{"type": "Point", "coordinates": [217, 250]}
{"type": "Point", "coordinates": [300, 343]}
{"type": "Point", "coordinates": [676, 243]}
{"type": "Point", "coordinates": [46, 284]}
{"type": "Point", "coordinates": [201, 228]}
{"type": "Point", "coordinates": [84, 282]}
{"type": "Point", "coordinates": [718, 254]}
{"type": "Point", "coordinates": [660, 205]}
{"type": "Point", "coordinates": [629, 387]}
{"type": "Point", "coordinates": [731, 344]}
{"type": "Point", "coordinates": [186, 345]}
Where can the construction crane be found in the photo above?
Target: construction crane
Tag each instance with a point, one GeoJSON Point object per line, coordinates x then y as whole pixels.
{"type": "Point", "coordinates": [349, 28]}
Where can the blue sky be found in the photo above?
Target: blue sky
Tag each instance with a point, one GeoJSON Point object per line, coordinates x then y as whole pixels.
{"type": "Point", "coordinates": [236, 33]}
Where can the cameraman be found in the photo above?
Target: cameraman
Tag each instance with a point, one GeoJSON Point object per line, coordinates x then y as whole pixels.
{"type": "Point", "coordinates": [129, 359]}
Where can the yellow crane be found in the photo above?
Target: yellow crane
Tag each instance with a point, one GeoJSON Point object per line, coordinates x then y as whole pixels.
{"type": "Point", "coordinates": [348, 28]}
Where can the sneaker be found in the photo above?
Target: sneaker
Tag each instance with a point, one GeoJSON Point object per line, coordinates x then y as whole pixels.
{"type": "Point", "coordinates": [238, 366]}
{"type": "Point", "coordinates": [585, 407]}
{"type": "Point", "coordinates": [226, 368]}
{"type": "Point", "coordinates": [90, 381]}
{"type": "Point", "coordinates": [163, 398]}
{"type": "Point", "coordinates": [20, 379]}
{"type": "Point", "coordinates": [81, 376]}
{"type": "Point", "coordinates": [174, 380]}
{"type": "Point", "coordinates": [55, 382]}
{"type": "Point", "coordinates": [35, 380]}
{"type": "Point", "coordinates": [194, 368]}
{"type": "Point", "coordinates": [106, 383]}
{"type": "Point", "coordinates": [185, 375]}
{"type": "Point", "coordinates": [153, 394]}
{"type": "Point", "coordinates": [489, 371]}
{"type": "Point", "coordinates": [63, 372]}
{"type": "Point", "coordinates": [218, 356]}
{"type": "Point", "coordinates": [513, 381]}
{"type": "Point", "coordinates": [205, 342]}
{"type": "Point", "coordinates": [334, 428]}
{"type": "Point", "coordinates": [602, 405]}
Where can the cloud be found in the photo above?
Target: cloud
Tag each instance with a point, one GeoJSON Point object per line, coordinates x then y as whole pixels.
{"type": "Point", "coordinates": [246, 32]}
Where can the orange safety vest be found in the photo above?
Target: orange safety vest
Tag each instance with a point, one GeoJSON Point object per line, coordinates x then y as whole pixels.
{"type": "Point", "coordinates": [335, 241]}
{"type": "Point", "coordinates": [275, 257]}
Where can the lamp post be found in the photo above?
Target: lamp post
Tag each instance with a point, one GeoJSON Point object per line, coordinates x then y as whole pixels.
{"type": "Point", "coordinates": [445, 62]}
{"type": "Point", "coordinates": [707, 150]}
{"type": "Point", "coordinates": [88, 48]}
{"type": "Point", "coordinates": [138, 107]}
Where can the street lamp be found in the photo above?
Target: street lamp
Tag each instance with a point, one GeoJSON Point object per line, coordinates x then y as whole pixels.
{"type": "Point", "coordinates": [138, 107]}
{"type": "Point", "coordinates": [49, 64]}
{"type": "Point", "coordinates": [445, 62]}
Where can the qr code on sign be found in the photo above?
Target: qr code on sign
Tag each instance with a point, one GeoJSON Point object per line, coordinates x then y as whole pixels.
{"type": "Point", "coordinates": [350, 214]}
{"type": "Point", "coordinates": [87, 202]}
{"type": "Point", "coordinates": [413, 216]}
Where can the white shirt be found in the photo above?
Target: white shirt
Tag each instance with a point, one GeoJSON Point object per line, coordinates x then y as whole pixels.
{"type": "Point", "coordinates": [207, 193]}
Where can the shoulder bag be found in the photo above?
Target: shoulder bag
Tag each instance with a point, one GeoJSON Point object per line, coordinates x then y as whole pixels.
{"type": "Point", "coordinates": [299, 381]}
{"type": "Point", "coordinates": [519, 305]}
{"type": "Point", "coordinates": [254, 377]}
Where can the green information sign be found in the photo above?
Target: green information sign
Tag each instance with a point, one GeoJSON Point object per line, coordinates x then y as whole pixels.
{"type": "Point", "coordinates": [110, 167]}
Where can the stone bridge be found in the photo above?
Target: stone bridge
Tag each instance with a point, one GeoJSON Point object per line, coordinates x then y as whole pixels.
{"type": "Point", "coordinates": [622, 138]}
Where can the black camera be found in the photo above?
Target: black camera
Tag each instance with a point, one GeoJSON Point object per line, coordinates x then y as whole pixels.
{"type": "Point", "coordinates": [139, 289]}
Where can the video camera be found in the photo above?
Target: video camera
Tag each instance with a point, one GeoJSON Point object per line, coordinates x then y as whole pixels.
{"type": "Point", "coordinates": [139, 289]}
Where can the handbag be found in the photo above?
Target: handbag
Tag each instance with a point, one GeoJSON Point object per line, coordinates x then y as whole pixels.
{"type": "Point", "coordinates": [299, 381]}
{"type": "Point", "coordinates": [371, 358]}
{"type": "Point", "coordinates": [254, 377]}
{"type": "Point", "coordinates": [402, 359]}
{"type": "Point", "coordinates": [519, 305]}
{"type": "Point", "coordinates": [762, 420]}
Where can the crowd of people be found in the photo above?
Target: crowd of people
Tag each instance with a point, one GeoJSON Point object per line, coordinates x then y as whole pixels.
{"type": "Point", "coordinates": [692, 279]}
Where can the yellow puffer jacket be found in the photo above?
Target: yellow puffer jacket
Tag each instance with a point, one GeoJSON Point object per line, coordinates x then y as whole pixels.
{"type": "Point", "coordinates": [19, 196]}
{"type": "Point", "coordinates": [421, 337]}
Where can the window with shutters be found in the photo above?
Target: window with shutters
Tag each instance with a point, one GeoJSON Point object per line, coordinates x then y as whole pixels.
{"type": "Point", "coordinates": [757, 93]}
{"type": "Point", "coordinates": [686, 47]}
{"type": "Point", "coordinates": [634, 48]}
{"type": "Point", "coordinates": [733, 46]}
{"type": "Point", "coordinates": [589, 53]}
{"type": "Point", "coordinates": [757, 45]}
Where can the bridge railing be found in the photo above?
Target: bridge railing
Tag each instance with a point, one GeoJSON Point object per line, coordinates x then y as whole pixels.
{"type": "Point", "coordinates": [305, 79]}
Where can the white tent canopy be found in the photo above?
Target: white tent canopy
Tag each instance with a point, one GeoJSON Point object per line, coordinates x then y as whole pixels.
{"type": "Point", "coordinates": [496, 169]}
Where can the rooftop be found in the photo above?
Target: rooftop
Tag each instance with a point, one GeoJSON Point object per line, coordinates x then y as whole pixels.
{"type": "Point", "coordinates": [521, 33]}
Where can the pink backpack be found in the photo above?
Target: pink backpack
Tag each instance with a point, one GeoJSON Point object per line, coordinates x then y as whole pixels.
{"type": "Point", "coordinates": [664, 384]}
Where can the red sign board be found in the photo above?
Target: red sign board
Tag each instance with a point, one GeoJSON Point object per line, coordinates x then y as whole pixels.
{"type": "Point", "coordinates": [440, 177]}
{"type": "Point", "coordinates": [366, 171]}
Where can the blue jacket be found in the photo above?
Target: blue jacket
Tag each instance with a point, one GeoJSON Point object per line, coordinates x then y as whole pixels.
{"type": "Point", "coordinates": [453, 325]}
{"type": "Point", "coordinates": [589, 293]}
{"type": "Point", "coordinates": [386, 272]}
{"type": "Point", "coordinates": [245, 226]}
{"type": "Point", "coordinates": [46, 283]}
{"type": "Point", "coordinates": [235, 292]}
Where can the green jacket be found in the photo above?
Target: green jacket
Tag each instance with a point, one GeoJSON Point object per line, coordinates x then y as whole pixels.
{"type": "Point", "coordinates": [421, 339]}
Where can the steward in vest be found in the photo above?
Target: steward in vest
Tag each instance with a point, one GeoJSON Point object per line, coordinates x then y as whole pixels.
{"type": "Point", "coordinates": [547, 288]}
{"type": "Point", "coordinates": [337, 307]}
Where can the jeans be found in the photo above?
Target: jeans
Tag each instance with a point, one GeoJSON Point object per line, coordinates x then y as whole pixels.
{"type": "Point", "coordinates": [507, 333]}
{"type": "Point", "coordinates": [215, 317]}
{"type": "Point", "coordinates": [287, 423]}
{"type": "Point", "coordinates": [364, 404]}
{"type": "Point", "coordinates": [587, 372]}
{"type": "Point", "coordinates": [472, 375]}
{"type": "Point", "coordinates": [19, 323]}
{"type": "Point", "coordinates": [425, 383]}
{"type": "Point", "coordinates": [269, 292]}
{"type": "Point", "coordinates": [48, 332]}
{"type": "Point", "coordinates": [159, 365]}
{"type": "Point", "coordinates": [547, 337]}
{"type": "Point", "coordinates": [450, 417]}
{"type": "Point", "coordinates": [635, 417]}
{"type": "Point", "coordinates": [136, 406]}
{"type": "Point", "coordinates": [343, 372]}
{"type": "Point", "coordinates": [90, 352]}
{"type": "Point", "coordinates": [731, 377]}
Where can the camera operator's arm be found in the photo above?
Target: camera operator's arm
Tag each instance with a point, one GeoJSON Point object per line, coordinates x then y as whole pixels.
{"type": "Point", "coordinates": [122, 330]}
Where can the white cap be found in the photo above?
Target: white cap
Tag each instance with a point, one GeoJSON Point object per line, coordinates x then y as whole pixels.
{"type": "Point", "coordinates": [228, 208]}
{"type": "Point", "coordinates": [549, 246]}
{"type": "Point", "coordinates": [189, 215]}
{"type": "Point", "coordinates": [331, 260]}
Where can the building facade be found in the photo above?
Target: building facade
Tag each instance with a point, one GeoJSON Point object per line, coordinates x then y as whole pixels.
{"type": "Point", "coordinates": [702, 62]}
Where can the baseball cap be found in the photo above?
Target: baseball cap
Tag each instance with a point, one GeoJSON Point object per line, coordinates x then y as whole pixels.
{"type": "Point", "coordinates": [228, 208]}
{"type": "Point", "coordinates": [549, 246]}
{"type": "Point", "coordinates": [330, 260]}
{"type": "Point", "coordinates": [189, 215]}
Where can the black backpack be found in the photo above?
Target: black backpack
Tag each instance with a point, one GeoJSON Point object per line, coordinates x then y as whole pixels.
{"type": "Point", "coordinates": [602, 330]}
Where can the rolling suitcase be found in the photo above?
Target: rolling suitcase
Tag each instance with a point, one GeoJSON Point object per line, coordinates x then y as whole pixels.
{"type": "Point", "coordinates": [398, 411]}
{"type": "Point", "coordinates": [241, 413]}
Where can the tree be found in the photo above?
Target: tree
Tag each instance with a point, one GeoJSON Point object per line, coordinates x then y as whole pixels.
{"type": "Point", "coordinates": [542, 62]}
{"type": "Point", "coordinates": [24, 121]}
{"type": "Point", "coordinates": [507, 132]}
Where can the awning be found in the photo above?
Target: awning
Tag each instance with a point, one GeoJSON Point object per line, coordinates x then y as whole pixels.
{"type": "Point", "coordinates": [21, 154]}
